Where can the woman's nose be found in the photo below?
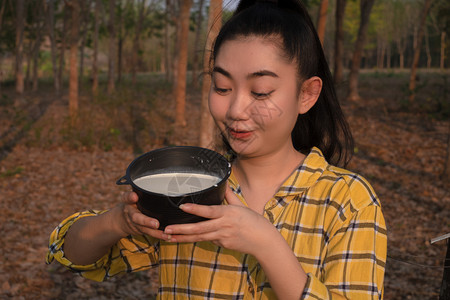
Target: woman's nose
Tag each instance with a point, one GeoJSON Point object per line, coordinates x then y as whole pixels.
{"type": "Point", "coordinates": [240, 106]}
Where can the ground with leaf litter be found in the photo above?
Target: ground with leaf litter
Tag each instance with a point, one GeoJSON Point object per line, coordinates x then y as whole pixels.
{"type": "Point", "coordinates": [50, 169]}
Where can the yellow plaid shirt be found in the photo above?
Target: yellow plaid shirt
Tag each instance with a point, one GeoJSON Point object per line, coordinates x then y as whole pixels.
{"type": "Point", "coordinates": [331, 218]}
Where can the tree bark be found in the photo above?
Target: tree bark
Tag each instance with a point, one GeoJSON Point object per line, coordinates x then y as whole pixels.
{"type": "Point", "coordinates": [167, 56]}
{"type": "Point", "coordinates": [62, 48]}
{"type": "Point", "coordinates": [95, 46]}
{"type": "Point", "coordinates": [442, 60]}
{"type": "Point", "coordinates": [2, 11]}
{"type": "Point", "coordinates": [366, 8]}
{"type": "Point", "coordinates": [37, 46]}
{"type": "Point", "coordinates": [388, 56]}
{"type": "Point", "coordinates": [180, 90]}
{"type": "Point", "coordinates": [50, 14]}
{"type": "Point", "coordinates": [85, 8]}
{"type": "Point", "coordinates": [446, 173]}
{"type": "Point", "coordinates": [28, 56]}
{"type": "Point", "coordinates": [112, 47]}
{"type": "Point", "coordinates": [322, 20]}
{"type": "Point", "coordinates": [136, 44]}
{"type": "Point", "coordinates": [20, 12]}
{"type": "Point", "coordinates": [415, 63]}
{"type": "Point", "coordinates": [427, 48]}
{"type": "Point", "coordinates": [119, 43]}
{"type": "Point", "coordinates": [206, 121]}
{"type": "Point", "coordinates": [198, 30]}
{"type": "Point", "coordinates": [401, 58]}
{"type": "Point", "coordinates": [73, 61]}
{"type": "Point", "coordinates": [339, 40]}
{"type": "Point", "coordinates": [177, 43]}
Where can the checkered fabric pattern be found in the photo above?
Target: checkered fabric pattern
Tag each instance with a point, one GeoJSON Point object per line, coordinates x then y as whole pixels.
{"type": "Point", "coordinates": [331, 218]}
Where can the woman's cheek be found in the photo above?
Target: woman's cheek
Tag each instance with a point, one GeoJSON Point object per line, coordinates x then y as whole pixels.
{"type": "Point", "coordinates": [217, 108]}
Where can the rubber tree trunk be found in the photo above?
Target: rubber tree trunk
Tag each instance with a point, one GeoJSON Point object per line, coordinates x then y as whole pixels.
{"type": "Point", "coordinates": [366, 8]}
{"type": "Point", "coordinates": [206, 121]}
{"type": "Point", "coordinates": [62, 49]}
{"type": "Point", "coordinates": [112, 47]}
{"type": "Point", "coordinates": [36, 48]}
{"type": "Point", "coordinates": [120, 39]}
{"type": "Point", "coordinates": [2, 10]}
{"type": "Point", "coordinates": [339, 40]}
{"type": "Point", "coordinates": [50, 15]}
{"type": "Point", "coordinates": [136, 45]}
{"type": "Point", "coordinates": [322, 20]}
{"type": "Point", "coordinates": [415, 63]}
{"type": "Point", "coordinates": [73, 60]}
{"type": "Point", "coordinates": [198, 31]}
{"type": "Point", "coordinates": [95, 46]}
{"type": "Point", "coordinates": [442, 59]}
{"type": "Point", "coordinates": [20, 11]}
{"type": "Point", "coordinates": [180, 89]}
{"type": "Point", "coordinates": [85, 8]}
{"type": "Point", "coordinates": [446, 173]}
{"type": "Point", "coordinates": [167, 44]}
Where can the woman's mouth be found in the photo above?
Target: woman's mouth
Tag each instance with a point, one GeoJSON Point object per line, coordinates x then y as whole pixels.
{"type": "Point", "coordinates": [240, 134]}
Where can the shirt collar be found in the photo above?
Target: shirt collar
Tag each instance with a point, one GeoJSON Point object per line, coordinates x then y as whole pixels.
{"type": "Point", "coordinates": [301, 178]}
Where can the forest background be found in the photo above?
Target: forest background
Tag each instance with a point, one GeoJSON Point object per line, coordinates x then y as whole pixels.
{"type": "Point", "coordinates": [87, 85]}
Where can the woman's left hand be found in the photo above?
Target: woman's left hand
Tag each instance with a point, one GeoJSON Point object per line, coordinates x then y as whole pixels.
{"type": "Point", "coordinates": [233, 226]}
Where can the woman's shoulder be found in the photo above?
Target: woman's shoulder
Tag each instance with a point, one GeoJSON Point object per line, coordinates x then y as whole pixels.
{"type": "Point", "coordinates": [341, 186]}
{"type": "Point", "coordinates": [354, 186]}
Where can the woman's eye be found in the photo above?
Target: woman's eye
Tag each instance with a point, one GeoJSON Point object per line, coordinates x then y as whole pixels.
{"type": "Point", "coordinates": [261, 95]}
{"type": "Point", "coordinates": [220, 91]}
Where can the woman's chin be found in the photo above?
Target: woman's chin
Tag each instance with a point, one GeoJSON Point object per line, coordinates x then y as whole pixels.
{"type": "Point", "coordinates": [243, 148]}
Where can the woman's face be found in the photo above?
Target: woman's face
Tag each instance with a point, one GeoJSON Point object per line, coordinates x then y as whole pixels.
{"type": "Point", "coordinates": [254, 97]}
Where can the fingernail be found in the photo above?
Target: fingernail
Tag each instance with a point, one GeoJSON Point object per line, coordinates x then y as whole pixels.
{"type": "Point", "coordinates": [168, 231]}
{"type": "Point", "coordinates": [184, 206]}
{"type": "Point", "coordinates": [155, 224]}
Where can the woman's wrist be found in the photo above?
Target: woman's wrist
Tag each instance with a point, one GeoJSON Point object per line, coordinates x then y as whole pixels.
{"type": "Point", "coordinates": [115, 220]}
{"type": "Point", "coordinates": [281, 266]}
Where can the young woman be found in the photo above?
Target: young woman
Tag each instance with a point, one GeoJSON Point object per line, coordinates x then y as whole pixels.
{"type": "Point", "coordinates": [292, 225]}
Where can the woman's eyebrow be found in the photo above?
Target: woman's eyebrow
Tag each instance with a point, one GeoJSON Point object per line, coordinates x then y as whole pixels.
{"type": "Point", "coordinates": [262, 73]}
{"type": "Point", "coordinates": [257, 74]}
{"type": "Point", "coordinates": [221, 71]}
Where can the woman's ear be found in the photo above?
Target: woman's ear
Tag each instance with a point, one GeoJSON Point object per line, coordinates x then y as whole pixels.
{"type": "Point", "coordinates": [309, 93]}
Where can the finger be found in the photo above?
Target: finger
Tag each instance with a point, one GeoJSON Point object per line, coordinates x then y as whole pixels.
{"type": "Point", "coordinates": [142, 220]}
{"type": "Point", "coordinates": [156, 233]}
{"type": "Point", "coordinates": [191, 228]}
{"type": "Point", "coordinates": [130, 198]}
{"type": "Point", "coordinates": [231, 198]}
{"type": "Point", "coordinates": [206, 211]}
{"type": "Point", "coordinates": [188, 238]}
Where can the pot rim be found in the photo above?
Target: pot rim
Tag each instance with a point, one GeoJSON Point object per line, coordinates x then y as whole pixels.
{"type": "Point", "coordinates": [129, 181]}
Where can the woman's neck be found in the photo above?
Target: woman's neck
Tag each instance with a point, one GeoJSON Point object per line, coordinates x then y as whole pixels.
{"type": "Point", "coordinates": [267, 170]}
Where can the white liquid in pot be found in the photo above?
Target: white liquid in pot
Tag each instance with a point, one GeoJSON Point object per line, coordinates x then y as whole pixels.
{"type": "Point", "coordinates": [176, 184]}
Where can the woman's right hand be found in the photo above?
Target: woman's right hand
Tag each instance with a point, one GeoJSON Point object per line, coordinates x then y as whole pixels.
{"type": "Point", "coordinates": [135, 222]}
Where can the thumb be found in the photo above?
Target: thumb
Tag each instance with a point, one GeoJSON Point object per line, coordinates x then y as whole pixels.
{"type": "Point", "coordinates": [231, 198]}
{"type": "Point", "coordinates": [130, 198]}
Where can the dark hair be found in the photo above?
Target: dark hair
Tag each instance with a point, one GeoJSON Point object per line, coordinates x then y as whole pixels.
{"type": "Point", "coordinates": [324, 125]}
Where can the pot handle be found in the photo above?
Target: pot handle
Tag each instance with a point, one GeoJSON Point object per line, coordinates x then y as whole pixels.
{"type": "Point", "coordinates": [123, 180]}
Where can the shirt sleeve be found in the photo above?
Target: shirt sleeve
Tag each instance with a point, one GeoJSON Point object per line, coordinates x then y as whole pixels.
{"type": "Point", "coordinates": [355, 263]}
{"type": "Point", "coordinates": [130, 254]}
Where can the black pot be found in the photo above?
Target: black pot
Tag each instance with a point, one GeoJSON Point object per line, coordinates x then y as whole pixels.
{"type": "Point", "coordinates": [179, 159]}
